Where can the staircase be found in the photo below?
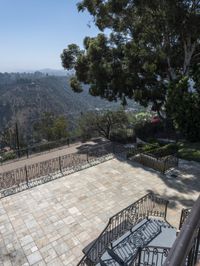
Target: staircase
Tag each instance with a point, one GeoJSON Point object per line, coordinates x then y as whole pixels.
{"type": "Point", "coordinates": [130, 232]}
{"type": "Point", "coordinates": [124, 250]}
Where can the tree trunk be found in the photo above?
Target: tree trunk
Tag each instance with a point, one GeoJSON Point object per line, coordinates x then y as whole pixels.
{"type": "Point", "coordinates": [189, 49]}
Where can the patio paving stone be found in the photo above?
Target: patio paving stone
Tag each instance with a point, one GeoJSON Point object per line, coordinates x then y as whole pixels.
{"type": "Point", "coordinates": [52, 223]}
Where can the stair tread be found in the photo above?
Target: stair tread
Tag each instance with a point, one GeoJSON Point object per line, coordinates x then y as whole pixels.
{"type": "Point", "coordinates": [144, 234]}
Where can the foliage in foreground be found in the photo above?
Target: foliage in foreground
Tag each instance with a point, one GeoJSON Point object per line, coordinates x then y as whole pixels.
{"type": "Point", "coordinates": [152, 48]}
{"type": "Point", "coordinates": [184, 109]}
{"type": "Point", "coordinates": [51, 128]}
{"type": "Point", "coordinates": [189, 151]}
{"type": "Point", "coordinates": [159, 150]}
{"type": "Point", "coordinates": [184, 150]}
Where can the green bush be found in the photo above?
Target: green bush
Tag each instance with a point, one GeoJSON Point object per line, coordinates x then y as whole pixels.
{"type": "Point", "coordinates": [133, 152]}
{"type": "Point", "coordinates": [183, 107]}
{"type": "Point", "coordinates": [121, 136]}
{"type": "Point", "coordinates": [8, 156]}
{"type": "Point", "coordinates": [147, 130]}
{"type": "Point", "coordinates": [155, 149]}
{"type": "Point", "coordinates": [189, 151]}
{"type": "Point", "coordinates": [149, 147]}
{"type": "Point", "coordinates": [166, 150]}
{"type": "Point", "coordinates": [186, 151]}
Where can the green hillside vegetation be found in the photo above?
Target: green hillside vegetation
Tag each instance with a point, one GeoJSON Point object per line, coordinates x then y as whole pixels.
{"type": "Point", "coordinates": [25, 97]}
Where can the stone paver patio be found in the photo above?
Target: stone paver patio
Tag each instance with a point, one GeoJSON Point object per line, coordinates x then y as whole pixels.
{"type": "Point", "coordinates": [51, 223]}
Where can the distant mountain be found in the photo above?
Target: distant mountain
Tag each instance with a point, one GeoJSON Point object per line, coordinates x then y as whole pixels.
{"type": "Point", "coordinates": [24, 97]}
{"type": "Point", "coordinates": [55, 72]}
{"type": "Point", "coordinates": [49, 71]}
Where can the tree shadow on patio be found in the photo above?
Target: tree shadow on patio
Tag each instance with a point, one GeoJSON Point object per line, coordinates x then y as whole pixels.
{"type": "Point", "coordinates": [184, 183]}
{"type": "Point", "coordinates": [173, 200]}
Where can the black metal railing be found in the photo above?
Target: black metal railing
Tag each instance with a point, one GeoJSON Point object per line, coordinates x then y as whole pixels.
{"type": "Point", "coordinates": [29, 151]}
{"type": "Point", "coordinates": [149, 205]}
{"type": "Point", "coordinates": [186, 249]}
{"type": "Point", "coordinates": [31, 175]}
{"type": "Point", "coordinates": [184, 214]}
{"type": "Point", "coordinates": [150, 256]}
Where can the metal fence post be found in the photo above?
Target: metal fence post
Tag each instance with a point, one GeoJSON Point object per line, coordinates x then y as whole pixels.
{"type": "Point", "coordinates": [88, 155]}
{"type": "Point", "coordinates": [26, 173]}
{"type": "Point", "coordinates": [166, 205]}
{"type": "Point", "coordinates": [139, 253]}
{"type": "Point", "coordinates": [113, 148]}
{"type": "Point", "coordinates": [164, 165]}
{"type": "Point", "coordinates": [60, 165]}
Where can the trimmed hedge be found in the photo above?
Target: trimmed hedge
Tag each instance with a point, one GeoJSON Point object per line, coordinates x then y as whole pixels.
{"type": "Point", "coordinates": [155, 150]}
{"type": "Point", "coordinates": [169, 149]}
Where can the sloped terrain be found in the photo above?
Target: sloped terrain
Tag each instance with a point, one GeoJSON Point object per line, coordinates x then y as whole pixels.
{"type": "Point", "coordinates": [25, 97]}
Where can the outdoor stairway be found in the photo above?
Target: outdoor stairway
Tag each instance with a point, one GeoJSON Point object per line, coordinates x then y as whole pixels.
{"type": "Point", "coordinates": [137, 235]}
{"type": "Point", "coordinates": [124, 250]}
{"type": "Point", "coordinates": [140, 235]}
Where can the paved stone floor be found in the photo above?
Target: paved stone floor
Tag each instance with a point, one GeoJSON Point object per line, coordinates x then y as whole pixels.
{"type": "Point", "coordinates": [51, 223]}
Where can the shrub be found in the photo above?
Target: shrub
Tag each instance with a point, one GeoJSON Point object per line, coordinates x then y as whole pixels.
{"type": "Point", "coordinates": [121, 136]}
{"type": "Point", "coordinates": [189, 151]}
{"type": "Point", "coordinates": [155, 149]}
{"type": "Point", "coordinates": [147, 130]}
{"type": "Point", "coordinates": [149, 147]}
{"type": "Point", "coordinates": [8, 156]}
{"type": "Point", "coordinates": [166, 150]}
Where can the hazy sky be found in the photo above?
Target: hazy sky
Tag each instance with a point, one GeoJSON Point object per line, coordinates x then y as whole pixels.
{"type": "Point", "coordinates": [33, 33]}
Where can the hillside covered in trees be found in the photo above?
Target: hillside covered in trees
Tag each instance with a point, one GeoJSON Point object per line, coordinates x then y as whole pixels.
{"type": "Point", "coordinates": [25, 97]}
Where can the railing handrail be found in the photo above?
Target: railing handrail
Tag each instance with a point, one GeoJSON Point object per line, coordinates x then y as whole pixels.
{"type": "Point", "coordinates": [109, 222]}
{"type": "Point", "coordinates": [57, 157]}
{"type": "Point", "coordinates": [154, 247]}
{"type": "Point", "coordinates": [184, 214]}
{"type": "Point", "coordinates": [29, 175]}
{"type": "Point", "coordinates": [148, 249]}
{"type": "Point", "coordinates": [185, 239]}
{"type": "Point", "coordinates": [145, 196]}
{"type": "Point", "coordinates": [115, 215]}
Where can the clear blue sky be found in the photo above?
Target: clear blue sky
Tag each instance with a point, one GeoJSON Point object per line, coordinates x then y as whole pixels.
{"type": "Point", "coordinates": [33, 33]}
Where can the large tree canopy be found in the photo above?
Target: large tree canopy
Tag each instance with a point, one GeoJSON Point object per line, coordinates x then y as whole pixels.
{"type": "Point", "coordinates": [152, 44]}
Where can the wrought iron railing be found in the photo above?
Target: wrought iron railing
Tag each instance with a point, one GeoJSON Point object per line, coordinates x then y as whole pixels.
{"type": "Point", "coordinates": [31, 175]}
{"type": "Point", "coordinates": [149, 205]}
{"type": "Point", "coordinates": [170, 161]}
{"type": "Point", "coordinates": [186, 249]}
{"type": "Point", "coordinates": [150, 256]}
{"type": "Point", "coordinates": [33, 150]}
{"type": "Point", "coordinates": [184, 214]}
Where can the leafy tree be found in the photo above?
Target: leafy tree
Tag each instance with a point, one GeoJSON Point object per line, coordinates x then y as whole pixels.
{"type": "Point", "coordinates": [51, 128]}
{"type": "Point", "coordinates": [60, 127]}
{"type": "Point", "coordinates": [140, 118]}
{"type": "Point", "coordinates": [152, 45]}
{"type": "Point", "coordinates": [43, 128]}
{"type": "Point", "coordinates": [103, 124]}
{"type": "Point", "coordinates": [86, 127]}
{"type": "Point", "coordinates": [8, 137]}
{"type": "Point", "coordinates": [184, 108]}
